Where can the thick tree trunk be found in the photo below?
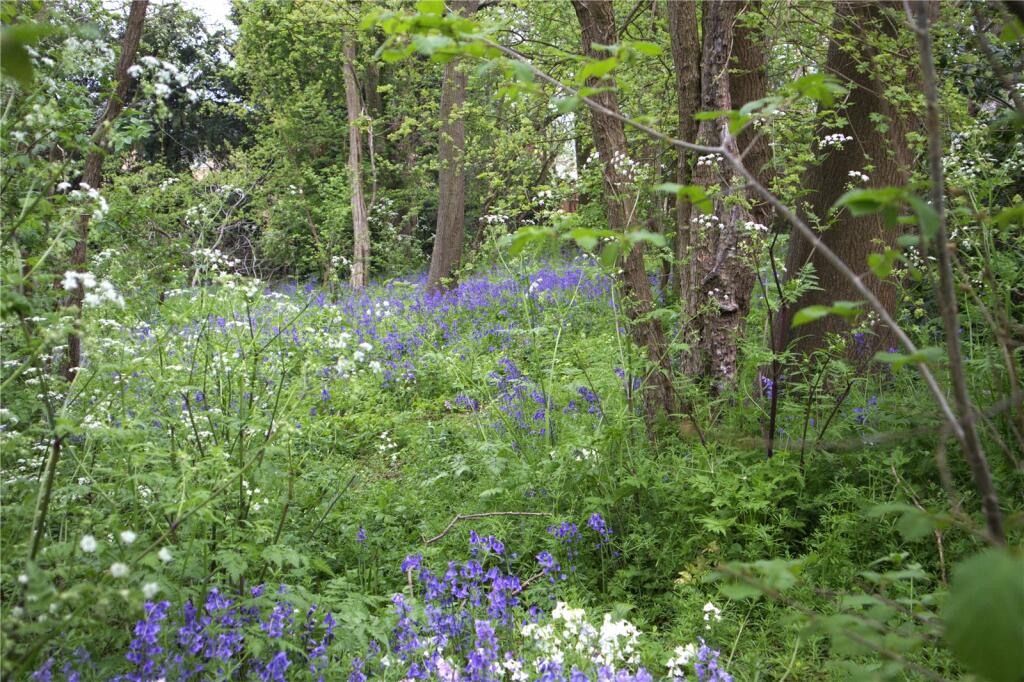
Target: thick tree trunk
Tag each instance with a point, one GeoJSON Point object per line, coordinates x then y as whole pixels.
{"type": "Point", "coordinates": [360, 219]}
{"type": "Point", "coordinates": [597, 23]}
{"type": "Point", "coordinates": [451, 186]}
{"type": "Point", "coordinates": [93, 173]}
{"type": "Point", "coordinates": [719, 297]}
{"type": "Point", "coordinates": [850, 56]}
{"type": "Point", "coordinates": [682, 24]}
{"type": "Point", "coordinates": [748, 81]}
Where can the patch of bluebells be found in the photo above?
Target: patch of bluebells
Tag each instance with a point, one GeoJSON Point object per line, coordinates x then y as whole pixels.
{"type": "Point", "coordinates": [597, 524]}
{"type": "Point", "coordinates": [471, 622]}
{"type": "Point", "coordinates": [862, 414]}
{"type": "Point", "coordinates": [385, 333]}
{"type": "Point", "coordinates": [219, 640]}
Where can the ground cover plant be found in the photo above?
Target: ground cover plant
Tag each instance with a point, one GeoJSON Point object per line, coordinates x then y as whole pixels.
{"type": "Point", "coordinates": [512, 341]}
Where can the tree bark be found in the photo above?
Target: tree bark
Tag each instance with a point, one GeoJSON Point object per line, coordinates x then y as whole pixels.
{"type": "Point", "coordinates": [597, 24]}
{"type": "Point", "coordinates": [360, 219]}
{"type": "Point", "coordinates": [719, 297]}
{"type": "Point", "coordinates": [451, 203]}
{"type": "Point", "coordinates": [748, 81]}
{"type": "Point", "coordinates": [850, 56]}
{"type": "Point", "coordinates": [93, 173]}
{"type": "Point", "coordinates": [682, 23]}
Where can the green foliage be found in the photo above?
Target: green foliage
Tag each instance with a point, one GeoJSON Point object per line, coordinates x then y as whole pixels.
{"type": "Point", "coordinates": [984, 610]}
{"type": "Point", "coordinates": [203, 420]}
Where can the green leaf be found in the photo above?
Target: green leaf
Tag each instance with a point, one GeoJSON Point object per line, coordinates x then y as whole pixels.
{"type": "Point", "coordinates": [862, 202]}
{"type": "Point", "coordinates": [610, 254]}
{"type": "Point", "coordinates": [644, 47]}
{"type": "Point", "coordinates": [927, 218]}
{"type": "Point", "coordinates": [14, 57]}
{"type": "Point", "coordinates": [636, 236]}
{"type": "Point", "coordinates": [739, 591]}
{"type": "Point", "coordinates": [587, 237]}
{"type": "Point", "coordinates": [435, 7]}
{"type": "Point", "coordinates": [695, 194]}
{"type": "Point", "coordinates": [820, 87]}
{"type": "Point", "coordinates": [816, 312]}
{"type": "Point", "coordinates": [522, 72]}
{"type": "Point", "coordinates": [929, 355]}
{"type": "Point", "coordinates": [810, 314]}
{"type": "Point", "coordinates": [525, 236]}
{"type": "Point", "coordinates": [596, 69]}
{"type": "Point", "coordinates": [881, 264]}
{"type": "Point", "coordinates": [738, 122]}
{"type": "Point", "coordinates": [1011, 215]}
{"type": "Point", "coordinates": [984, 614]}
{"type": "Point", "coordinates": [566, 104]}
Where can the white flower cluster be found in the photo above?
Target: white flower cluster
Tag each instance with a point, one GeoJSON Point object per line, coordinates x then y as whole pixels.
{"type": "Point", "coordinates": [495, 219]}
{"type": "Point", "coordinates": [87, 56]}
{"type": "Point", "coordinates": [752, 226]}
{"type": "Point", "coordinates": [628, 168]}
{"type": "Point", "coordinates": [708, 159]}
{"type": "Point", "coordinates": [165, 76]}
{"type": "Point", "coordinates": [711, 614]}
{"type": "Point", "coordinates": [250, 493]}
{"type": "Point", "coordinates": [613, 645]}
{"type": "Point", "coordinates": [214, 260]}
{"type": "Point", "coordinates": [387, 447]}
{"type": "Point", "coordinates": [87, 193]}
{"type": "Point", "coordinates": [679, 664]}
{"type": "Point", "coordinates": [346, 367]}
{"type": "Point", "coordinates": [706, 220]}
{"type": "Point", "coordinates": [857, 176]}
{"type": "Point", "coordinates": [102, 290]}
{"type": "Point", "coordinates": [836, 140]}
{"type": "Point", "coordinates": [586, 455]}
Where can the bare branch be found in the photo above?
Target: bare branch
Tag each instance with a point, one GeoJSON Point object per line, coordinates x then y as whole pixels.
{"type": "Point", "coordinates": [469, 517]}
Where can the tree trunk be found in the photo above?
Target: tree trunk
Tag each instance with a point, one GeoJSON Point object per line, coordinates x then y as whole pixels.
{"type": "Point", "coordinates": [597, 23]}
{"type": "Point", "coordinates": [748, 81]}
{"type": "Point", "coordinates": [93, 173]}
{"type": "Point", "coordinates": [451, 186]}
{"type": "Point", "coordinates": [682, 23]}
{"type": "Point", "coordinates": [719, 297]}
{"type": "Point", "coordinates": [360, 219]}
{"type": "Point", "coordinates": [853, 239]}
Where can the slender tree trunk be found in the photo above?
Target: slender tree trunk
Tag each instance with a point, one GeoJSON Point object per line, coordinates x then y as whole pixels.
{"type": "Point", "coordinates": [719, 296]}
{"type": "Point", "coordinates": [93, 173]}
{"type": "Point", "coordinates": [682, 23]}
{"type": "Point", "coordinates": [360, 219]}
{"type": "Point", "coordinates": [451, 186]}
{"type": "Point", "coordinates": [850, 56]}
{"type": "Point", "coordinates": [597, 23]}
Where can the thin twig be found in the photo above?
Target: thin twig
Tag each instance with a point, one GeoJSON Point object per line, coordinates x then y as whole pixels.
{"type": "Point", "coordinates": [968, 434]}
{"type": "Point", "coordinates": [483, 515]}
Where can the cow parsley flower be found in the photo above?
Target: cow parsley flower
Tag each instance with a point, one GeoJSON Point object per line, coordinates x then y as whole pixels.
{"type": "Point", "coordinates": [119, 569]}
{"type": "Point", "coordinates": [88, 544]}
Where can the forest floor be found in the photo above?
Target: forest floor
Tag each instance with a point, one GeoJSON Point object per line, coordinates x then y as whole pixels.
{"type": "Point", "coordinates": [386, 482]}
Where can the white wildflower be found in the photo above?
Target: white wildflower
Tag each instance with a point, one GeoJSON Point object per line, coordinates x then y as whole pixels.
{"type": "Point", "coordinates": [88, 544]}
